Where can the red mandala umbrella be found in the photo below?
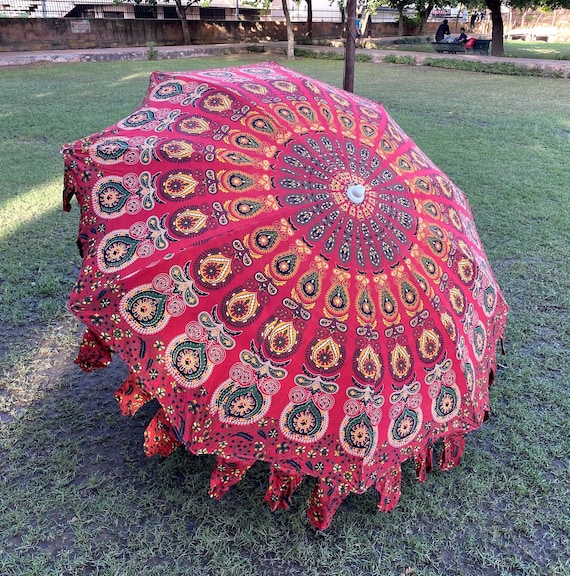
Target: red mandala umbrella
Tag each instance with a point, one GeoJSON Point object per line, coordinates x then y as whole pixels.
{"type": "Point", "coordinates": [290, 277]}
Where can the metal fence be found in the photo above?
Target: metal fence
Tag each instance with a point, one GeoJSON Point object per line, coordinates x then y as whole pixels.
{"type": "Point", "coordinates": [167, 11]}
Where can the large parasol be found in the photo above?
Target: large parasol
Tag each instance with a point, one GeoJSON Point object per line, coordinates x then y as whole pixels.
{"type": "Point", "coordinates": [290, 277]}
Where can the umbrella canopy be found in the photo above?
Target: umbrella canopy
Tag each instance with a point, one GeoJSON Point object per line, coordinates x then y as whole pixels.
{"type": "Point", "coordinates": [291, 278]}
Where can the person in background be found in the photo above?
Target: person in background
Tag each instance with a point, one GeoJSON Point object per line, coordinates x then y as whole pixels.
{"type": "Point", "coordinates": [442, 31]}
{"type": "Point", "coordinates": [474, 16]}
{"type": "Point", "coordinates": [462, 38]}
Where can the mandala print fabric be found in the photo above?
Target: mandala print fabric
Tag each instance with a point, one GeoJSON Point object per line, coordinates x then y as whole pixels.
{"type": "Point", "coordinates": [290, 277]}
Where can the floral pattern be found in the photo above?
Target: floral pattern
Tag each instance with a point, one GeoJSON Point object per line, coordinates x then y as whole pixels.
{"type": "Point", "coordinates": [290, 277]}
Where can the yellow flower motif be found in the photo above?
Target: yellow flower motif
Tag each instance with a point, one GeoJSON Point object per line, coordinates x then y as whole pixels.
{"type": "Point", "coordinates": [360, 435]}
{"type": "Point", "coordinates": [188, 361]}
{"type": "Point", "coordinates": [144, 309]}
{"type": "Point", "coordinates": [406, 426]}
{"type": "Point", "coordinates": [304, 422]}
{"type": "Point", "coordinates": [447, 404]}
{"type": "Point", "coordinates": [243, 404]}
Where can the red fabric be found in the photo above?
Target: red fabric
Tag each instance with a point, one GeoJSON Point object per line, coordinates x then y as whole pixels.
{"type": "Point", "coordinates": [289, 276]}
{"type": "Point", "coordinates": [282, 484]}
{"type": "Point", "coordinates": [226, 474]}
{"type": "Point", "coordinates": [130, 396]}
{"type": "Point", "coordinates": [325, 499]}
{"type": "Point", "coordinates": [159, 438]}
{"type": "Point", "coordinates": [388, 487]}
{"type": "Point", "coordinates": [93, 354]}
{"type": "Point", "coordinates": [424, 463]}
{"type": "Point", "coordinates": [453, 448]}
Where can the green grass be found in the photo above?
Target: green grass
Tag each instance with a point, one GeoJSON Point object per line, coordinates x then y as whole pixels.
{"type": "Point", "coordinates": [512, 48]}
{"type": "Point", "coordinates": [329, 55]}
{"type": "Point", "coordinates": [502, 68]}
{"type": "Point", "coordinates": [78, 496]}
{"type": "Point", "coordinates": [547, 50]}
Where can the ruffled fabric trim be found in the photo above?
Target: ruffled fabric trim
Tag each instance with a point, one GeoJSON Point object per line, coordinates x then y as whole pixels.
{"type": "Point", "coordinates": [389, 489]}
{"type": "Point", "coordinates": [453, 448]}
{"type": "Point", "coordinates": [282, 483]}
{"type": "Point", "coordinates": [159, 438]}
{"type": "Point", "coordinates": [227, 473]}
{"type": "Point", "coordinates": [93, 353]}
{"type": "Point", "coordinates": [326, 496]}
{"type": "Point", "coordinates": [284, 478]}
{"type": "Point", "coordinates": [324, 502]}
{"type": "Point", "coordinates": [424, 463]}
{"type": "Point", "coordinates": [130, 396]}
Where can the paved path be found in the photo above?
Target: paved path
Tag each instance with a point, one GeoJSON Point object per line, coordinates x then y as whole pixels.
{"type": "Point", "coordinates": [132, 53]}
{"type": "Point", "coordinates": [197, 51]}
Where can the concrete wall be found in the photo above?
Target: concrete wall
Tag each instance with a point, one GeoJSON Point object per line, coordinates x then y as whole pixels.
{"type": "Point", "coordinates": [21, 34]}
{"type": "Point", "coordinates": [73, 33]}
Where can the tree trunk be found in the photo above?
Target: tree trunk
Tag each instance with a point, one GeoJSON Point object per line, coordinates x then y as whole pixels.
{"type": "Point", "coordinates": [181, 12]}
{"type": "Point", "coordinates": [350, 46]}
{"type": "Point", "coordinates": [497, 31]}
{"type": "Point", "coordinates": [310, 19]}
{"type": "Point", "coordinates": [366, 25]}
{"type": "Point", "coordinates": [290, 35]}
{"type": "Point", "coordinates": [424, 13]}
{"type": "Point", "coordinates": [400, 20]}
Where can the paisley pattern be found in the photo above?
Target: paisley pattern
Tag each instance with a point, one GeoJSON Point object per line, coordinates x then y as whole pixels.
{"type": "Point", "coordinates": [246, 396]}
{"type": "Point", "coordinates": [289, 276]}
{"type": "Point", "coordinates": [305, 419]}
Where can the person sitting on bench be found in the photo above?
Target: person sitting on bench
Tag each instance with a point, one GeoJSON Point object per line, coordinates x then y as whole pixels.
{"type": "Point", "coordinates": [442, 31]}
{"type": "Point", "coordinates": [462, 38]}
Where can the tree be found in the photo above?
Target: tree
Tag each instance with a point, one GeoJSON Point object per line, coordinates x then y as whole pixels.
{"type": "Point", "coordinates": [400, 6]}
{"type": "Point", "coordinates": [497, 28]}
{"type": "Point", "coordinates": [350, 35]}
{"type": "Point", "coordinates": [350, 46]}
{"type": "Point", "coordinates": [497, 19]}
{"type": "Point", "coordinates": [341, 5]}
{"type": "Point", "coordinates": [290, 35]}
{"type": "Point", "coordinates": [264, 5]}
{"type": "Point", "coordinates": [366, 8]}
{"type": "Point", "coordinates": [310, 19]}
{"type": "Point", "coordinates": [542, 4]}
{"type": "Point", "coordinates": [180, 12]}
{"type": "Point", "coordinates": [423, 9]}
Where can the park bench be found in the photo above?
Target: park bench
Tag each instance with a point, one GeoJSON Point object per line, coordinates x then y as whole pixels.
{"type": "Point", "coordinates": [449, 47]}
{"type": "Point", "coordinates": [480, 47]}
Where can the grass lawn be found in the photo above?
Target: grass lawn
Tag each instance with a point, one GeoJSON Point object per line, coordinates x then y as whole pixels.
{"type": "Point", "coordinates": [512, 48]}
{"type": "Point", "coordinates": [77, 494]}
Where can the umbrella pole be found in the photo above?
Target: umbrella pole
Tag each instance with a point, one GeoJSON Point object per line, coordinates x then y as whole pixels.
{"type": "Point", "coordinates": [350, 46]}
